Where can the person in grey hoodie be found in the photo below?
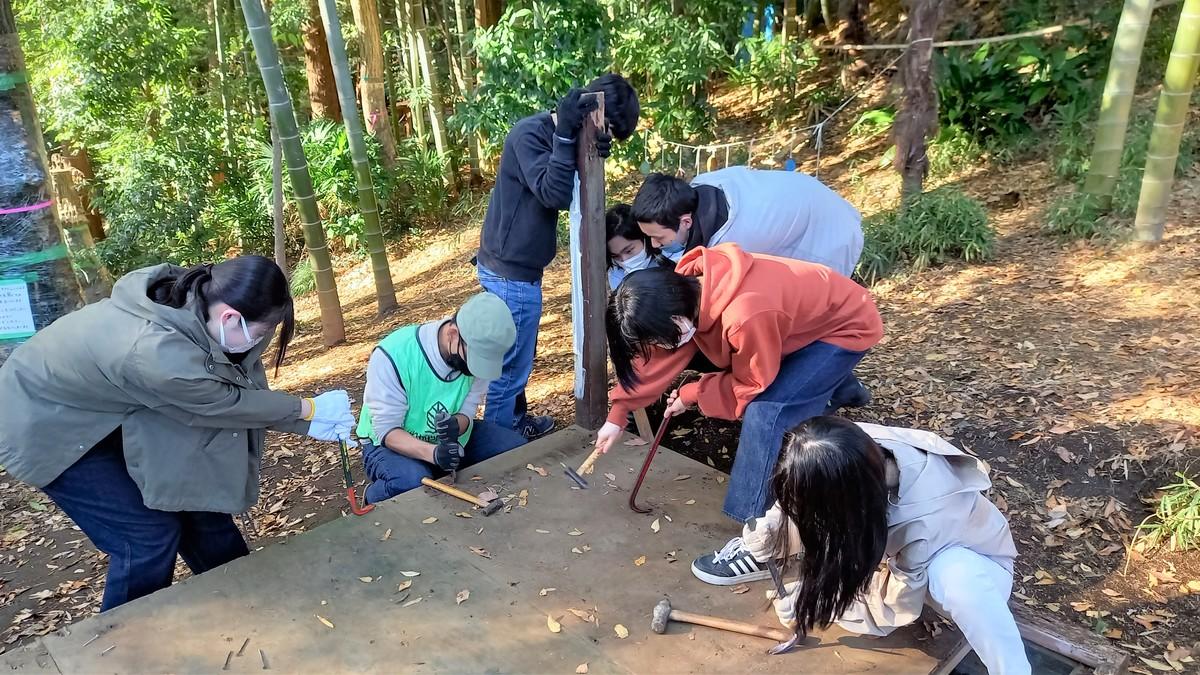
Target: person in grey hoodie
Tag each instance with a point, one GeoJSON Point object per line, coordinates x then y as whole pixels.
{"type": "Point", "coordinates": [143, 416]}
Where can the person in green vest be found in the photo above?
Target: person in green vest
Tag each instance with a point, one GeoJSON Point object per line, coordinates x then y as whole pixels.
{"type": "Point", "coordinates": [425, 383]}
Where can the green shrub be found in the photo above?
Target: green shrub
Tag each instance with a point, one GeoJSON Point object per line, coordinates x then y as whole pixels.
{"type": "Point", "coordinates": [1176, 519]}
{"type": "Point", "coordinates": [775, 68]}
{"type": "Point", "coordinates": [1078, 215]}
{"type": "Point", "coordinates": [931, 229]}
{"type": "Point", "coordinates": [303, 281]}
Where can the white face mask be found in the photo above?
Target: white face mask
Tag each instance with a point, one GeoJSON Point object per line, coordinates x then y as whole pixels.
{"type": "Point", "coordinates": [250, 343]}
{"type": "Point", "coordinates": [635, 262]}
{"type": "Point", "coordinates": [687, 331]}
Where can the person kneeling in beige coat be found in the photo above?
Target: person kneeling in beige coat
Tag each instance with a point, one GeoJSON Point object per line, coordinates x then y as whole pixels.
{"type": "Point", "coordinates": [854, 495]}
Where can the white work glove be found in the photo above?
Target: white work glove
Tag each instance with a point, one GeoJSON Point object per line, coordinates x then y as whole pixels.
{"type": "Point", "coordinates": [785, 607]}
{"type": "Point", "coordinates": [608, 434]}
{"type": "Point", "coordinates": [331, 417]}
{"type": "Point", "coordinates": [758, 535]}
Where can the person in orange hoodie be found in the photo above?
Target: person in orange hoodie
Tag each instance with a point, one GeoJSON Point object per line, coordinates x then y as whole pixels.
{"type": "Point", "coordinates": [784, 335]}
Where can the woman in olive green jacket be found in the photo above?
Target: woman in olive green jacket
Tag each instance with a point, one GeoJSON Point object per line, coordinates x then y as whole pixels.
{"type": "Point", "coordinates": [143, 416]}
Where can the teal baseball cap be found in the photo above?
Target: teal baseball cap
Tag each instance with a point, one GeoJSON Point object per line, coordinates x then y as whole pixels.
{"type": "Point", "coordinates": [486, 326]}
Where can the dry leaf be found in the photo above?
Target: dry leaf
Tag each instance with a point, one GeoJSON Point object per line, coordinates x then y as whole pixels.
{"type": "Point", "coordinates": [720, 480]}
{"type": "Point", "coordinates": [411, 574]}
{"type": "Point", "coordinates": [523, 498]}
{"type": "Point", "coordinates": [538, 470]}
{"type": "Point", "coordinates": [1157, 665]}
{"type": "Point", "coordinates": [429, 521]}
{"type": "Point", "coordinates": [488, 495]}
{"type": "Point", "coordinates": [386, 535]}
{"type": "Point", "coordinates": [464, 514]}
{"type": "Point", "coordinates": [581, 669]}
{"type": "Point", "coordinates": [635, 442]}
{"type": "Point", "coordinates": [575, 549]}
{"type": "Point", "coordinates": [546, 591]}
{"type": "Point", "coordinates": [542, 531]}
{"type": "Point", "coordinates": [612, 478]}
{"type": "Point", "coordinates": [554, 626]}
{"type": "Point", "coordinates": [690, 502]}
{"type": "Point", "coordinates": [365, 580]}
{"type": "Point", "coordinates": [1110, 592]}
{"type": "Point", "coordinates": [640, 561]}
{"type": "Point", "coordinates": [1114, 633]}
{"type": "Point", "coordinates": [410, 603]}
{"type": "Point", "coordinates": [480, 552]}
{"type": "Point", "coordinates": [404, 585]}
{"type": "Point", "coordinates": [740, 589]}
{"type": "Point", "coordinates": [621, 631]}
{"type": "Point", "coordinates": [655, 526]}
{"type": "Point", "coordinates": [575, 533]}
{"type": "Point", "coordinates": [327, 622]}
{"type": "Point", "coordinates": [682, 476]}
{"type": "Point", "coordinates": [462, 596]}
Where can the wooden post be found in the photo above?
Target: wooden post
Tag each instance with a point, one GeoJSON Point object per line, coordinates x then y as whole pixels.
{"type": "Point", "coordinates": [589, 297]}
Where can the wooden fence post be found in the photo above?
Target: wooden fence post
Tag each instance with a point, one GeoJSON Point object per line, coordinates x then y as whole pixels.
{"type": "Point", "coordinates": [589, 295]}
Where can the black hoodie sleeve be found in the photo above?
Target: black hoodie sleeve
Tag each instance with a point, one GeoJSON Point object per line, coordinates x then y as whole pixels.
{"type": "Point", "coordinates": [547, 167]}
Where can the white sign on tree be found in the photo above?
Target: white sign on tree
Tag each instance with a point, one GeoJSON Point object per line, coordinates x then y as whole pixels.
{"type": "Point", "coordinates": [16, 312]}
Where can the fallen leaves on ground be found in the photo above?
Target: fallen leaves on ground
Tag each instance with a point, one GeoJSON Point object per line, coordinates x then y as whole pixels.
{"type": "Point", "coordinates": [327, 622]}
{"type": "Point", "coordinates": [581, 669]}
{"type": "Point", "coordinates": [410, 603]}
{"type": "Point", "coordinates": [553, 624]}
{"type": "Point", "coordinates": [621, 631]}
{"type": "Point", "coordinates": [410, 574]}
{"type": "Point", "coordinates": [639, 561]}
{"type": "Point", "coordinates": [546, 591]}
{"type": "Point", "coordinates": [366, 580]}
{"type": "Point", "coordinates": [481, 552]}
{"type": "Point", "coordinates": [462, 596]}
{"type": "Point", "coordinates": [655, 526]}
{"type": "Point", "coordinates": [404, 585]}
{"type": "Point", "coordinates": [429, 521]}
{"type": "Point", "coordinates": [538, 470]}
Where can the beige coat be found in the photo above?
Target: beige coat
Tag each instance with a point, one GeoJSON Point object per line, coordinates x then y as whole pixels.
{"type": "Point", "coordinates": [940, 504]}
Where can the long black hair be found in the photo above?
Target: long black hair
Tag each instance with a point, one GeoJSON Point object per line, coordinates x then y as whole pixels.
{"type": "Point", "coordinates": [251, 284]}
{"type": "Point", "coordinates": [641, 316]}
{"type": "Point", "coordinates": [831, 482]}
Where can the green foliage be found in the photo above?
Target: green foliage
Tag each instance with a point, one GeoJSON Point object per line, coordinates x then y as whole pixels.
{"type": "Point", "coordinates": [1176, 519]}
{"type": "Point", "coordinates": [669, 60]}
{"type": "Point", "coordinates": [931, 229]}
{"type": "Point", "coordinates": [1001, 90]}
{"type": "Point", "coordinates": [303, 281]}
{"type": "Point", "coordinates": [776, 68]}
{"type": "Point", "coordinates": [533, 56]}
{"type": "Point", "coordinates": [874, 122]}
{"type": "Point", "coordinates": [953, 149]}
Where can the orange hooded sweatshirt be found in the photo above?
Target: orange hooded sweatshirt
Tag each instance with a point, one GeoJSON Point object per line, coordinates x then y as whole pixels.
{"type": "Point", "coordinates": [754, 310]}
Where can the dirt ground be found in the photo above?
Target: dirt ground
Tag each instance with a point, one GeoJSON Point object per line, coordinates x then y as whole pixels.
{"type": "Point", "coordinates": [1069, 367]}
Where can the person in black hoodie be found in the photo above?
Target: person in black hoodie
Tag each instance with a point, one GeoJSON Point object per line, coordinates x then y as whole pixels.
{"type": "Point", "coordinates": [519, 238]}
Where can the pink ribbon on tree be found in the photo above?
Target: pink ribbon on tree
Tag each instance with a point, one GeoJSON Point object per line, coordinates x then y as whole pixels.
{"type": "Point", "coordinates": [24, 209]}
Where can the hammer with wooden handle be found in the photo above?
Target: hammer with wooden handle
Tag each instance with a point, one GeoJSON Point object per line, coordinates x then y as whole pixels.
{"type": "Point", "coordinates": [663, 614]}
{"type": "Point", "coordinates": [488, 507]}
{"type": "Point", "coordinates": [577, 475]}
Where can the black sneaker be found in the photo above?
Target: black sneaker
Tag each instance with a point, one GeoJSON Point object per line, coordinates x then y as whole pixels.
{"type": "Point", "coordinates": [534, 426]}
{"type": "Point", "coordinates": [730, 566]}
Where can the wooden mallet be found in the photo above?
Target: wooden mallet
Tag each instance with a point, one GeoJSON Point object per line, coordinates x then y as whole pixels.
{"type": "Point", "coordinates": [664, 614]}
{"type": "Point", "coordinates": [488, 507]}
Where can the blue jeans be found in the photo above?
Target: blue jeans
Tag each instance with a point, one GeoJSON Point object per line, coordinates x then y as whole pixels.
{"type": "Point", "coordinates": [808, 380]}
{"type": "Point", "coordinates": [100, 496]}
{"type": "Point", "coordinates": [506, 403]}
{"type": "Point", "coordinates": [391, 473]}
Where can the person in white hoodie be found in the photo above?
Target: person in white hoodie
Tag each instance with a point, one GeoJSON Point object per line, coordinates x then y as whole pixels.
{"type": "Point", "coordinates": [782, 213]}
{"type": "Point", "coordinates": [853, 495]}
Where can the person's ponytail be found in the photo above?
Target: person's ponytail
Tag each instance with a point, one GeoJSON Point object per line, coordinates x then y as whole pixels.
{"type": "Point", "coordinates": [175, 290]}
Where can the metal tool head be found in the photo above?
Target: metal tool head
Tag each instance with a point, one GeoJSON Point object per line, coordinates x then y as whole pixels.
{"type": "Point", "coordinates": [574, 475]}
{"type": "Point", "coordinates": [492, 507]}
{"type": "Point", "coordinates": [662, 614]}
{"type": "Point", "coordinates": [785, 647]}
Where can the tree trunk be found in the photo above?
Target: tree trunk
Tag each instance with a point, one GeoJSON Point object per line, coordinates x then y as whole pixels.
{"type": "Point", "coordinates": [371, 80]}
{"type": "Point", "coordinates": [283, 118]}
{"type": "Point", "coordinates": [851, 27]}
{"type": "Point", "coordinates": [1163, 153]}
{"type": "Point", "coordinates": [467, 57]}
{"type": "Point", "coordinates": [829, 15]}
{"type": "Point", "coordinates": [444, 104]}
{"type": "Point", "coordinates": [39, 283]}
{"type": "Point", "coordinates": [223, 81]}
{"type": "Point", "coordinates": [322, 96]}
{"type": "Point", "coordinates": [404, 14]}
{"type": "Point", "coordinates": [432, 81]}
{"type": "Point", "coordinates": [812, 14]}
{"type": "Point", "coordinates": [385, 292]}
{"type": "Point", "coordinates": [917, 118]}
{"type": "Point", "coordinates": [1117, 99]}
{"type": "Point", "coordinates": [788, 31]}
{"type": "Point", "coordinates": [76, 157]}
{"type": "Point", "coordinates": [277, 222]}
{"type": "Point", "coordinates": [488, 13]}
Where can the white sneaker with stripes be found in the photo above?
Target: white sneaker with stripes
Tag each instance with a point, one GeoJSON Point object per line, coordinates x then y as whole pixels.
{"type": "Point", "coordinates": [732, 565]}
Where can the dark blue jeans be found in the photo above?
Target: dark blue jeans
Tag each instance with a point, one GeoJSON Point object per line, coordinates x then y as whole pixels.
{"type": "Point", "coordinates": [808, 381]}
{"type": "Point", "coordinates": [100, 496]}
{"type": "Point", "coordinates": [506, 403]}
{"type": "Point", "coordinates": [391, 473]}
